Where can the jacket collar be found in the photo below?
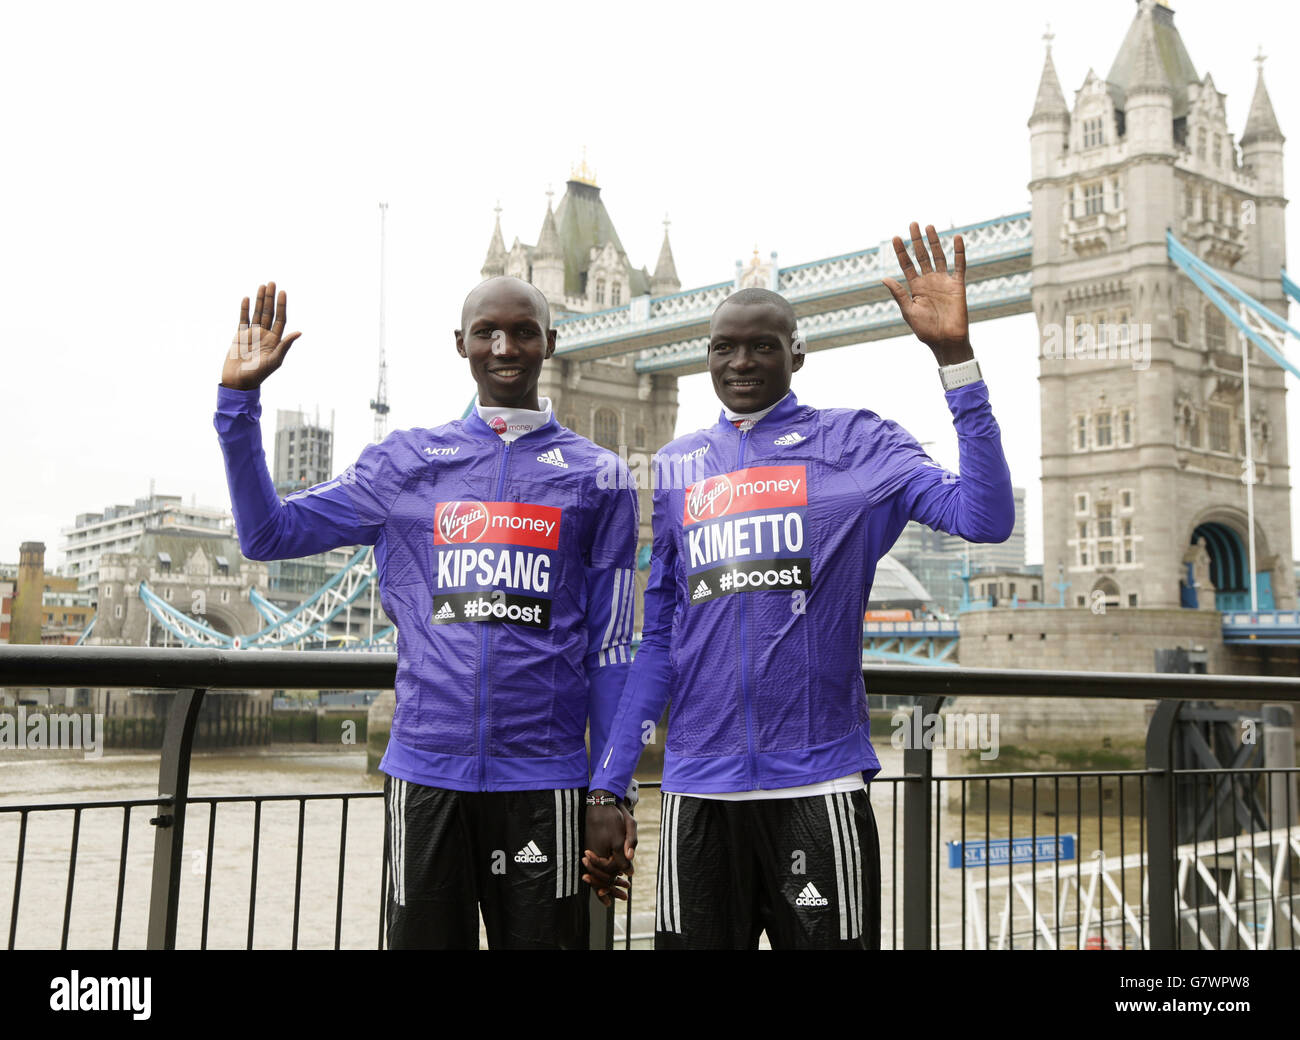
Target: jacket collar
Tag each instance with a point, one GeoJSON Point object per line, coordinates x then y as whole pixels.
{"type": "Point", "coordinates": [474, 424]}
{"type": "Point", "coordinates": [784, 409]}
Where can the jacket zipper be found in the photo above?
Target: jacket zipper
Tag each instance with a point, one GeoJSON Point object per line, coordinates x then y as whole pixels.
{"type": "Point", "coordinates": [481, 698]}
{"type": "Point", "coordinates": [744, 662]}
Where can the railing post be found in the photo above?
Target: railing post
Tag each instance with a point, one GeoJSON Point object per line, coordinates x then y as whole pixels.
{"type": "Point", "coordinates": [601, 933]}
{"type": "Point", "coordinates": [1162, 853]}
{"type": "Point", "coordinates": [918, 768]}
{"type": "Point", "coordinates": [169, 824]}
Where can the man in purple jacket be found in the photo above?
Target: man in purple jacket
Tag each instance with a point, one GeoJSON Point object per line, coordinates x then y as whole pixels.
{"type": "Point", "coordinates": [507, 568]}
{"type": "Point", "coordinates": [760, 576]}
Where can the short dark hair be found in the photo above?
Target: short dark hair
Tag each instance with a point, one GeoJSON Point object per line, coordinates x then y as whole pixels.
{"type": "Point", "coordinates": [763, 297]}
{"type": "Point", "coordinates": [536, 293]}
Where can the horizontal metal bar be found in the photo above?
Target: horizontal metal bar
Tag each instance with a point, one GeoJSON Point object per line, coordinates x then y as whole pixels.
{"type": "Point", "coordinates": [1239, 769]}
{"type": "Point", "coordinates": [1085, 773]}
{"type": "Point", "coordinates": [164, 668]}
{"type": "Point", "coordinates": [129, 803]}
{"type": "Point", "coordinates": [171, 668]}
{"type": "Point", "coordinates": [230, 799]}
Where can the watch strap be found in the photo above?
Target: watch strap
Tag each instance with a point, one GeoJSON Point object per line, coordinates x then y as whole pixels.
{"type": "Point", "coordinates": [961, 374]}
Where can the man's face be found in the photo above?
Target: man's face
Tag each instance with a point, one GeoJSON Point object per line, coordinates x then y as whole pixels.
{"type": "Point", "coordinates": [506, 340]}
{"type": "Point", "coordinates": [749, 356]}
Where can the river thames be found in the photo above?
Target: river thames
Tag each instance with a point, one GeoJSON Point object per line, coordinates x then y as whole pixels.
{"type": "Point", "coordinates": [26, 780]}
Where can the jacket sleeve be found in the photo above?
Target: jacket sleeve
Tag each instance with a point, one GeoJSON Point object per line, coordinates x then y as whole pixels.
{"type": "Point", "coordinates": [649, 681]}
{"type": "Point", "coordinates": [905, 484]}
{"type": "Point", "coordinates": [610, 574]}
{"type": "Point", "coordinates": [978, 504]}
{"type": "Point", "coordinates": [348, 510]}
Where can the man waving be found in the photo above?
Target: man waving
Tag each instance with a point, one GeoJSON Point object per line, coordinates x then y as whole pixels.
{"type": "Point", "coordinates": [508, 573]}
{"type": "Point", "coordinates": [760, 576]}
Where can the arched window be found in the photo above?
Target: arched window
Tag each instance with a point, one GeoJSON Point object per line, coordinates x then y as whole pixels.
{"type": "Point", "coordinates": [616, 294]}
{"type": "Point", "coordinates": [600, 291]}
{"type": "Point", "coordinates": [605, 428]}
{"type": "Point", "coordinates": [1109, 592]}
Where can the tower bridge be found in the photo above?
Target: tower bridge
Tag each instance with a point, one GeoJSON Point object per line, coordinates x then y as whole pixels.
{"type": "Point", "coordinates": [1150, 473]}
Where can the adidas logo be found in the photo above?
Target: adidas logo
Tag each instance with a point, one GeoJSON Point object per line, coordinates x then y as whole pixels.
{"type": "Point", "coordinates": [445, 612]}
{"type": "Point", "coordinates": [530, 853]}
{"type": "Point", "coordinates": [553, 458]}
{"type": "Point", "coordinates": [702, 590]}
{"type": "Point", "coordinates": [811, 897]}
{"type": "Point", "coordinates": [789, 438]}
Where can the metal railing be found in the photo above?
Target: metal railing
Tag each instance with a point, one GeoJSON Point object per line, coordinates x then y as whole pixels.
{"type": "Point", "coordinates": [1235, 886]}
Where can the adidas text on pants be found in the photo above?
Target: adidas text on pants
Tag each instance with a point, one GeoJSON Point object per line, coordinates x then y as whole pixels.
{"type": "Point", "coordinates": [514, 854]}
{"type": "Point", "coordinates": [804, 870]}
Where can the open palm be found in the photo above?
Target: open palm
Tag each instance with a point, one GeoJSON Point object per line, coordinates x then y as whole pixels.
{"type": "Point", "coordinates": [934, 305]}
{"type": "Point", "coordinates": [258, 349]}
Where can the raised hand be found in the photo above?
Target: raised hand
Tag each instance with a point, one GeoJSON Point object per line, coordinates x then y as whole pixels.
{"type": "Point", "coordinates": [934, 306]}
{"type": "Point", "coordinates": [257, 349]}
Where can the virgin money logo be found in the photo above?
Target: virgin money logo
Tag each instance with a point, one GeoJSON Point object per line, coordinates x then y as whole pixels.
{"type": "Point", "coordinates": [462, 521]}
{"type": "Point", "coordinates": [498, 424]}
{"type": "Point", "coordinates": [709, 498]}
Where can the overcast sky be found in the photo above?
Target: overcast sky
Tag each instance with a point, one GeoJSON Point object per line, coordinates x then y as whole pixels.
{"type": "Point", "coordinates": [162, 160]}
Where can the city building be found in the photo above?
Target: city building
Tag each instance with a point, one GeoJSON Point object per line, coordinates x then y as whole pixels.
{"type": "Point", "coordinates": [304, 451]}
{"type": "Point", "coordinates": [119, 528]}
{"type": "Point", "coordinates": [1006, 589]}
{"type": "Point", "coordinates": [8, 590]}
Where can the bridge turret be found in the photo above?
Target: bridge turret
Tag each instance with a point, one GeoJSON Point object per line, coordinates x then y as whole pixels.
{"type": "Point", "coordinates": [1049, 123]}
{"type": "Point", "coordinates": [665, 278]}
{"type": "Point", "coordinates": [495, 263]}
{"type": "Point", "coordinates": [1261, 155]}
{"type": "Point", "coordinates": [1149, 98]}
{"type": "Point", "coordinates": [548, 260]}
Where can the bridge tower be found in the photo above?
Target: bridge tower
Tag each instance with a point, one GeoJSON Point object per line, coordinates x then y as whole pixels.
{"type": "Point", "coordinates": [1143, 431]}
{"type": "Point", "coordinates": [580, 265]}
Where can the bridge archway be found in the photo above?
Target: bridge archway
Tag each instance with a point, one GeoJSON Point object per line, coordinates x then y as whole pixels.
{"type": "Point", "coordinates": [1109, 590]}
{"type": "Point", "coordinates": [1229, 566]}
